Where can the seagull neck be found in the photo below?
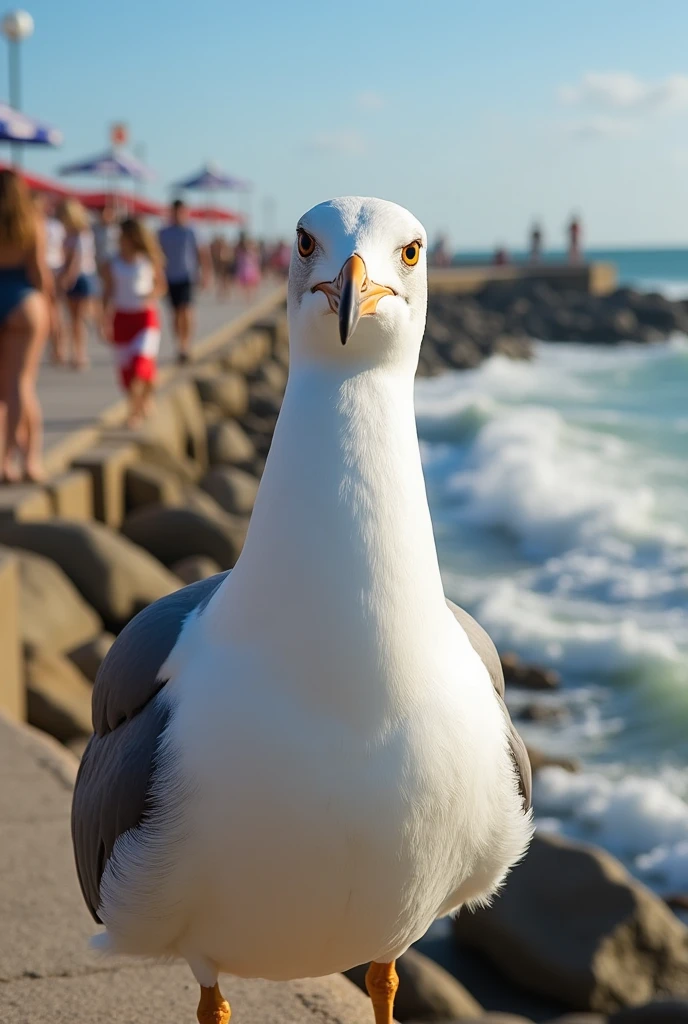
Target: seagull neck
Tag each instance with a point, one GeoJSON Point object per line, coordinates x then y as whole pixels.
{"type": "Point", "coordinates": [340, 544]}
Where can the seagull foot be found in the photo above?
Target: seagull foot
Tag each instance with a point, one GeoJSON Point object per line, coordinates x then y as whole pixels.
{"type": "Point", "coordinates": [382, 983]}
{"type": "Point", "coordinates": [213, 1008]}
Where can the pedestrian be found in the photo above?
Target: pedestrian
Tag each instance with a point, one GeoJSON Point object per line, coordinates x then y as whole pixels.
{"type": "Point", "coordinates": [106, 235]}
{"type": "Point", "coordinates": [186, 263]}
{"type": "Point", "coordinates": [247, 263]}
{"type": "Point", "coordinates": [54, 258]}
{"type": "Point", "coordinates": [535, 243]}
{"type": "Point", "coordinates": [78, 278]}
{"type": "Point", "coordinates": [24, 322]}
{"type": "Point", "coordinates": [574, 236]}
{"type": "Point", "coordinates": [133, 282]}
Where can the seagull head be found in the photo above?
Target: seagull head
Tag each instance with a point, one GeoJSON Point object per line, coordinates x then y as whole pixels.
{"type": "Point", "coordinates": [358, 284]}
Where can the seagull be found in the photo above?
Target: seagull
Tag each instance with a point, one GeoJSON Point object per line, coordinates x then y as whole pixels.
{"type": "Point", "coordinates": [297, 766]}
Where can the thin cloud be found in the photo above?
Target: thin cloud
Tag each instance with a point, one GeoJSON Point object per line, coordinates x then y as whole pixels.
{"type": "Point", "coordinates": [370, 100]}
{"type": "Point", "coordinates": [622, 90]}
{"type": "Point", "coordinates": [603, 127]}
{"type": "Point", "coordinates": [343, 143]}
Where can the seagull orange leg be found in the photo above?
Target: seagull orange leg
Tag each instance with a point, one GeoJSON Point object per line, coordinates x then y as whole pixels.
{"type": "Point", "coordinates": [382, 983]}
{"type": "Point", "coordinates": [213, 1008]}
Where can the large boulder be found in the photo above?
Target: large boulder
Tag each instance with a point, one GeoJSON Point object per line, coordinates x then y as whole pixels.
{"type": "Point", "coordinates": [487, 1018]}
{"type": "Point", "coordinates": [114, 576]}
{"type": "Point", "coordinates": [232, 488]}
{"type": "Point", "coordinates": [53, 615]}
{"type": "Point", "coordinates": [526, 675]}
{"type": "Point", "coordinates": [228, 444]}
{"type": "Point", "coordinates": [660, 1011]}
{"type": "Point", "coordinates": [581, 1018]}
{"type": "Point", "coordinates": [195, 568]}
{"type": "Point", "coordinates": [89, 656]}
{"type": "Point", "coordinates": [181, 466]}
{"type": "Point", "coordinates": [187, 405]}
{"type": "Point", "coordinates": [171, 534]}
{"type": "Point", "coordinates": [274, 375]}
{"type": "Point", "coordinates": [148, 484]}
{"type": "Point", "coordinates": [264, 400]}
{"type": "Point", "coordinates": [228, 391]}
{"type": "Point", "coordinates": [571, 923]}
{"type": "Point", "coordinates": [426, 991]}
{"type": "Point", "coordinates": [58, 696]}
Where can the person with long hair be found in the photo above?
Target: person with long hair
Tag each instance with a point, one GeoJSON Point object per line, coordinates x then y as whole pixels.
{"type": "Point", "coordinates": [133, 282]}
{"type": "Point", "coordinates": [24, 321]}
{"type": "Point", "coordinates": [78, 279]}
{"type": "Point", "coordinates": [54, 259]}
{"type": "Point", "coordinates": [248, 265]}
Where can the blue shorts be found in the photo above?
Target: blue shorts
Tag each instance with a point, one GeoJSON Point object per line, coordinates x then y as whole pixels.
{"type": "Point", "coordinates": [85, 287]}
{"type": "Point", "coordinates": [14, 287]}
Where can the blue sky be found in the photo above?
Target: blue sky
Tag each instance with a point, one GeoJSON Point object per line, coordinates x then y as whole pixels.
{"type": "Point", "coordinates": [476, 114]}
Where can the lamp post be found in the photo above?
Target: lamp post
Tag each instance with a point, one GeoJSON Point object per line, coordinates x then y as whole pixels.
{"type": "Point", "coordinates": [16, 26]}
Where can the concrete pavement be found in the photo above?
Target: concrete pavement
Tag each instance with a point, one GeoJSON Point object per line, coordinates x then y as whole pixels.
{"type": "Point", "coordinates": [47, 971]}
{"type": "Point", "coordinates": [72, 401]}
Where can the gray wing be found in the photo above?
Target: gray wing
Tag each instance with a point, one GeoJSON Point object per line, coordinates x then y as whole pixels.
{"type": "Point", "coordinates": [113, 782]}
{"type": "Point", "coordinates": [483, 646]}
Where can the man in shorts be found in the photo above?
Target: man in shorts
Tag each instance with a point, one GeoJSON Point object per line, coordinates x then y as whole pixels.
{"type": "Point", "coordinates": [185, 263]}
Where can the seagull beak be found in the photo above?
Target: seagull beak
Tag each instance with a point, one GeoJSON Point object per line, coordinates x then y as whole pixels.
{"type": "Point", "coordinates": [352, 295]}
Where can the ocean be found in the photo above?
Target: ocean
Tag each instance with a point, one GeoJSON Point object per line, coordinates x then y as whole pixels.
{"type": "Point", "coordinates": [559, 495]}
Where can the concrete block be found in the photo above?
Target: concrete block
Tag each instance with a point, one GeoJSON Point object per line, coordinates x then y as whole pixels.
{"type": "Point", "coordinates": [25, 502]}
{"type": "Point", "coordinates": [187, 404]}
{"type": "Point", "coordinates": [248, 352]}
{"type": "Point", "coordinates": [107, 465]}
{"type": "Point", "coordinates": [72, 494]}
{"type": "Point", "coordinates": [12, 689]}
{"type": "Point", "coordinates": [147, 484]}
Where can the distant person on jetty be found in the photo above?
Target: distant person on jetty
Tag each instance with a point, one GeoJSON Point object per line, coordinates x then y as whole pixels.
{"type": "Point", "coordinates": [574, 231]}
{"type": "Point", "coordinates": [440, 255]}
{"type": "Point", "coordinates": [186, 264]}
{"type": "Point", "coordinates": [501, 256]}
{"type": "Point", "coordinates": [79, 278]}
{"type": "Point", "coordinates": [536, 244]}
{"type": "Point", "coordinates": [24, 320]}
{"type": "Point", "coordinates": [133, 282]}
{"type": "Point", "coordinates": [248, 265]}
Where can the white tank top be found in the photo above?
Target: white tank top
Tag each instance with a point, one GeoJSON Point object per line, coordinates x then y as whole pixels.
{"type": "Point", "coordinates": [85, 249]}
{"type": "Point", "coordinates": [133, 283]}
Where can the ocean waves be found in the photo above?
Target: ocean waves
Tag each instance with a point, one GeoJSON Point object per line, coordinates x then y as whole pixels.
{"type": "Point", "coordinates": [558, 494]}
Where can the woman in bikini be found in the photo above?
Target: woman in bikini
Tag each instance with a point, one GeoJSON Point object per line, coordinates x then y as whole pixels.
{"type": "Point", "coordinates": [24, 323]}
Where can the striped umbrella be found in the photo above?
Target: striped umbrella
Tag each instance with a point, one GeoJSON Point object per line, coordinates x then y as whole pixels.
{"type": "Point", "coordinates": [113, 163]}
{"type": "Point", "coordinates": [211, 179]}
{"type": "Point", "coordinates": [18, 127]}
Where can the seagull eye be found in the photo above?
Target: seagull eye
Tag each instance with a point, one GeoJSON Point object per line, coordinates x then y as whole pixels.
{"type": "Point", "coordinates": [306, 243]}
{"type": "Point", "coordinates": [410, 254]}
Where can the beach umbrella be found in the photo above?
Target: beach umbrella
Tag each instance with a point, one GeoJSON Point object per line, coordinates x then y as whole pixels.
{"type": "Point", "coordinates": [113, 163]}
{"type": "Point", "coordinates": [132, 204]}
{"type": "Point", "coordinates": [18, 127]}
{"type": "Point", "coordinates": [211, 179]}
{"type": "Point", "coordinates": [216, 214]}
{"type": "Point", "coordinates": [39, 183]}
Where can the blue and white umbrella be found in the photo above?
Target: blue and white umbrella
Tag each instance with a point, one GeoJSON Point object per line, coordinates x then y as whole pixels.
{"type": "Point", "coordinates": [111, 164]}
{"type": "Point", "coordinates": [18, 127]}
{"type": "Point", "coordinates": [211, 179]}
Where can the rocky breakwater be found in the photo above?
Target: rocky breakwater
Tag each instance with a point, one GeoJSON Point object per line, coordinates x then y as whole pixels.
{"type": "Point", "coordinates": [505, 317]}
{"type": "Point", "coordinates": [573, 937]}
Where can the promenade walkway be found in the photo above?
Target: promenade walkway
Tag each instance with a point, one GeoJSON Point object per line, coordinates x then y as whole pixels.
{"type": "Point", "coordinates": [72, 401]}
{"type": "Point", "coordinates": [47, 971]}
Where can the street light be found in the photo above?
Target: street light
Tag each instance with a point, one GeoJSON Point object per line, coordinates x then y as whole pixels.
{"type": "Point", "coordinates": [16, 26]}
